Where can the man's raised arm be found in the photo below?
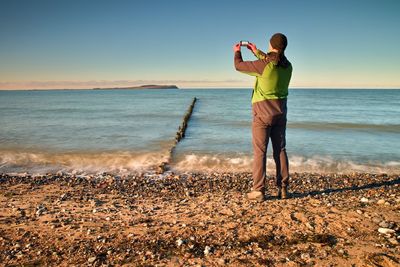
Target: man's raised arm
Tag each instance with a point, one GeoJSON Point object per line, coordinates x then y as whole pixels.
{"type": "Point", "coordinates": [253, 68]}
{"type": "Point", "coordinates": [257, 52]}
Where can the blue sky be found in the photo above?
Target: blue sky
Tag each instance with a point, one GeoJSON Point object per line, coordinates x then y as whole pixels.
{"type": "Point", "coordinates": [82, 43]}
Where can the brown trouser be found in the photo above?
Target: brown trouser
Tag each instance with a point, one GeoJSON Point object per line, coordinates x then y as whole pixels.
{"type": "Point", "coordinates": [263, 128]}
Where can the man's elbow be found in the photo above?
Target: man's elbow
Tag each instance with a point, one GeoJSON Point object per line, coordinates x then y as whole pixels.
{"type": "Point", "coordinates": [237, 66]}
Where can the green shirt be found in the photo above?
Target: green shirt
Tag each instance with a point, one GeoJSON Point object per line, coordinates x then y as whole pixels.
{"type": "Point", "coordinates": [272, 80]}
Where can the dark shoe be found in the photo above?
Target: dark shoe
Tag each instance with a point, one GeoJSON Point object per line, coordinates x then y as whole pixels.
{"type": "Point", "coordinates": [256, 195]}
{"type": "Point", "coordinates": [284, 193]}
{"type": "Point", "coordinates": [279, 193]}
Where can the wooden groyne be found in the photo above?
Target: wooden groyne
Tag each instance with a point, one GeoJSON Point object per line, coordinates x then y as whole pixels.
{"type": "Point", "coordinates": [180, 134]}
{"type": "Point", "coordinates": [182, 129]}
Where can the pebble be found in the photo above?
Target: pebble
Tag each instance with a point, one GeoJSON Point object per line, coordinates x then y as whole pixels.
{"type": "Point", "coordinates": [64, 197]}
{"type": "Point", "coordinates": [376, 220]}
{"type": "Point", "coordinates": [207, 250]}
{"type": "Point", "coordinates": [96, 202]}
{"type": "Point", "coordinates": [384, 224]}
{"type": "Point", "coordinates": [305, 256]}
{"type": "Point", "coordinates": [179, 242]}
{"type": "Point", "coordinates": [324, 254]}
{"type": "Point", "coordinates": [386, 231]}
{"type": "Point", "coordinates": [222, 261]}
{"type": "Point", "coordinates": [364, 200]}
{"type": "Point", "coordinates": [92, 259]}
{"type": "Point", "coordinates": [40, 210]}
{"type": "Point", "coordinates": [310, 226]}
{"type": "Point", "coordinates": [381, 202]}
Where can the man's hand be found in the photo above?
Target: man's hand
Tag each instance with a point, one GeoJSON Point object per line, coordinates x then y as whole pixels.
{"type": "Point", "coordinates": [252, 47]}
{"type": "Point", "coordinates": [236, 48]}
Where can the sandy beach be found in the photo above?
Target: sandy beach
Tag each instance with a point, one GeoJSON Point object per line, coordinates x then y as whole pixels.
{"type": "Point", "coordinates": [198, 220]}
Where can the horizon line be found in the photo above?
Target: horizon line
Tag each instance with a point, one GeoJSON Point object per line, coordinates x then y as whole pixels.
{"type": "Point", "coordinates": [187, 84]}
{"type": "Point", "coordinates": [205, 88]}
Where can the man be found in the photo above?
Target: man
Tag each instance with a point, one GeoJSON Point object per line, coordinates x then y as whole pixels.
{"type": "Point", "coordinates": [273, 72]}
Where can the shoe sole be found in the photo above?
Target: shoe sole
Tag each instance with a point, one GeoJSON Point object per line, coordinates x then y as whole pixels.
{"type": "Point", "coordinates": [257, 199]}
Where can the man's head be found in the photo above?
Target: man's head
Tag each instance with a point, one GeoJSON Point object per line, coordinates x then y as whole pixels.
{"type": "Point", "coordinates": [278, 42]}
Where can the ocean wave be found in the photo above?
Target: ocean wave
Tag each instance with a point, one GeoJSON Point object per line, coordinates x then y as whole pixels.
{"type": "Point", "coordinates": [123, 162]}
{"type": "Point", "coordinates": [317, 164]}
{"type": "Point", "coordinates": [81, 162]}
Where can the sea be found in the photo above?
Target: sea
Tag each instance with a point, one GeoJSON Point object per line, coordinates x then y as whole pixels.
{"type": "Point", "coordinates": [130, 131]}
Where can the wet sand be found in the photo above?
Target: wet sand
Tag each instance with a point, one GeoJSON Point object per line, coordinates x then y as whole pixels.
{"type": "Point", "coordinates": [198, 220]}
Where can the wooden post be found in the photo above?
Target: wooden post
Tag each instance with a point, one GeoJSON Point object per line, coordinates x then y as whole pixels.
{"type": "Point", "coordinates": [164, 166]}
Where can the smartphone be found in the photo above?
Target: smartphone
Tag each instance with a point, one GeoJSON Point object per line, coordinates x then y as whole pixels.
{"type": "Point", "coordinates": [244, 43]}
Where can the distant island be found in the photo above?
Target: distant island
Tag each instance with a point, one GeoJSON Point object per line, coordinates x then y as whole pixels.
{"type": "Point", "coordinates": [147, 86]}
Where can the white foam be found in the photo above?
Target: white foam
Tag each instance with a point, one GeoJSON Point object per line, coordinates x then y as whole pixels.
{"type": "Point", "coordinates": [318, 164]}
{"type": "Point", "coordinates": [114, 162]}
{"type": "Point", "coordinates": [123, 162]}
{"type": "Point", "coordinates": [206, 163]}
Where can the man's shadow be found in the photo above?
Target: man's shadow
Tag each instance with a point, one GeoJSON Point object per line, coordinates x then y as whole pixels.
{"type": "Point", "coordinates": [340, 190]}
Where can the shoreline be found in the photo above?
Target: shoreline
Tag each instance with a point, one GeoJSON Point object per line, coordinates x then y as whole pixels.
{"type": "Point", "coordinates": [198, 219]}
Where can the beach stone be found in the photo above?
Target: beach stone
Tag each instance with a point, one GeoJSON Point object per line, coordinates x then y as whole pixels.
{"type": "Point", "coordinates": [222, 261]}
{"type": "Point", "coordinates": [386, 231]}
{"type": "Point", "coordinates": [393, 241]}
{"type": "Point", "coordinates": [384, 224]}
{"type": "Point", "coordinates": [92, 259]}
{"type": "Point", "coordinates": [380, 202]}
{"type": "Point", "coordinates": [207, 250]}
{"type": "Point", "coordinates": [324, 254]}
{"type": "Point", "coordinates": [305, 256]}
{"type": "Point", "coordinates": [310, 226]}
{"type": "Point", "coordinates": [63, 197]}
{"type": "Point", "coordinates": [364, 200]}
{"type": "Point", "coordinates": [19, 212]}
{"type": "Point", "coordinates": [96, 202]}
{"type": "Point", "coordinates": [40, 210]}
{"type": "Point", "coordinates": [179, 242]}
{"type": "Point", "coordinates": [333, 209]}
{"type": "Point", "coordinates": [19, 255]}
{"type": "Point", "coordinates": [376, 220]}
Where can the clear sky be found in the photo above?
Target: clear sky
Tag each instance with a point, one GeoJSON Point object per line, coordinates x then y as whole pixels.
{"type": "Point", "coordinates": [82, 43]}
